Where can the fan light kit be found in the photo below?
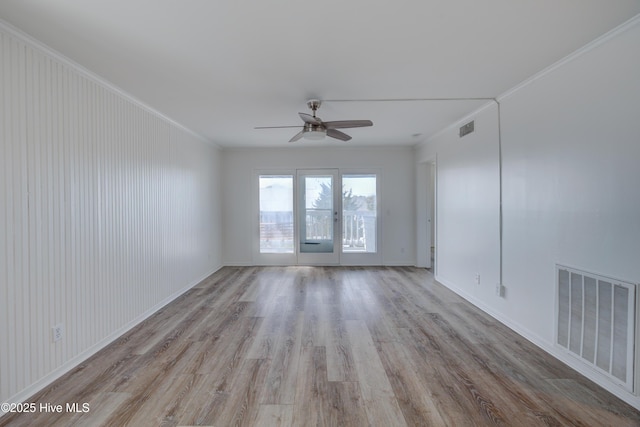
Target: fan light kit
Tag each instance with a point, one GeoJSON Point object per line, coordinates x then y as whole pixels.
{"type": "Point", "coordinates": [315, 129]}
{"type": "Point", "coordinates": [314, 135]}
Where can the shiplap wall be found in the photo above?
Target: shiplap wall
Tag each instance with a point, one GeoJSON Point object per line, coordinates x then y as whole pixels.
{"type": "Point", "coordinates": [108, 211]}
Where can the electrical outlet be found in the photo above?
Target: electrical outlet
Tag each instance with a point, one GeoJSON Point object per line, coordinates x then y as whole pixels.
{"type": "Point", "coordinates": [57, 332]}
{"type": "Point", "coordinates": [477, 278]}
{"type": "Point", "coordinates": [499, 290]}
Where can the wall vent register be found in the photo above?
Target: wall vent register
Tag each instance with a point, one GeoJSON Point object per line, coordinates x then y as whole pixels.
{"type": "Point", "coordinates": [466, 129]}
{"type": "Point", "coordinates": [595, 322]}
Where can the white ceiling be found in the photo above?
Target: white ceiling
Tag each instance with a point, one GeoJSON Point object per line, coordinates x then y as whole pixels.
{"type": "Point", "coordinates": [222, 67]}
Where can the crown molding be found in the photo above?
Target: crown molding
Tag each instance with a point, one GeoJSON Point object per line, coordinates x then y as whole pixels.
{"type": "Point", "coordinates": [65, 61]}
{"type": "Point", "coordinates": [609, 35]}
{"type": "Point", "coordinates": [457, 123]}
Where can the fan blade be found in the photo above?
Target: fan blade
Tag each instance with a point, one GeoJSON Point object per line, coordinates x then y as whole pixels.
{"type": "Point", "coordinates": [275, 127]}
{"type": "Point", "coordinates": [297, 136]}
{"type": "Point", "coordinates": [307, 118]}
{"type": "Point", "coordinates": [341, 124]}
{"type": "Point", "coordinates": [338, 135]}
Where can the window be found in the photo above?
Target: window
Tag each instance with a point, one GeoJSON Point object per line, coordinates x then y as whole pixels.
{"type": "Point", "coordinates": [276, 214]}
{"type": "Point", "coordinates": [359, 213]}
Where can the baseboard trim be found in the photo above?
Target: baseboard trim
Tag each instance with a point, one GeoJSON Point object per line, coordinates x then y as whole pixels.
{"type": "Point", "coordinates": [63, 369]}
{"type": "Point", "coordinates": [545, 345]}
{"type": "Point", "coordinates": [244, 264]}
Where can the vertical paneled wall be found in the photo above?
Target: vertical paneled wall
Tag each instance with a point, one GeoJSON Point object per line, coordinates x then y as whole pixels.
{"type": "Point", "coordinates": [107, 212]}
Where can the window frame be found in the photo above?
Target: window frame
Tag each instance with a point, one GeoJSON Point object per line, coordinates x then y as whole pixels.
{"type": "Point", "coordinates": [364, 258]}
{"type": "Point", "coordinates": [272, 258]}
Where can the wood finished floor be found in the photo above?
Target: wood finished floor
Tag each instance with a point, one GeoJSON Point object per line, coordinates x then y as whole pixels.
{"type": "Point", "coordinates": [325, 346]}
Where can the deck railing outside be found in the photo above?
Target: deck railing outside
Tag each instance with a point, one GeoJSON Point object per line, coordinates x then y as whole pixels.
{"type": "Point", "coordinates": [358, 230]}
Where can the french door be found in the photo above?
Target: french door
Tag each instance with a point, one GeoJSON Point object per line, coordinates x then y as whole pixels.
{"type": "Point", "coordinates": [319, 216]}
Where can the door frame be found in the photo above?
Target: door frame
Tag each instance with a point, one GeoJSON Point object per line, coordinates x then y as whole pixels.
{"type": "Point", "coordinates": [293, 258]}
{"type": "Point", "coordinates": [319, 258]}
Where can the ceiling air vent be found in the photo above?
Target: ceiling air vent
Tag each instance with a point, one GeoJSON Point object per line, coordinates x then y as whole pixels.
{"type": "Point", "coordinates": [466, 129]}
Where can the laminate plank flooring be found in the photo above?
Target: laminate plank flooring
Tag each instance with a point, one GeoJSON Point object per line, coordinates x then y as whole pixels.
{"type": "Point", "coordinates": [325, 346]}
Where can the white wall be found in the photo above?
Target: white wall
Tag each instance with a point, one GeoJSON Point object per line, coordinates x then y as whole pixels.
{"type": "Point", "coordinates": [468, 205]}
{"type": "Point", "coordinates": [396, 198]}
{"type": "Point", "coordinates": [570, 174]}
{"type": "Point", "coordinates": [107, 212]}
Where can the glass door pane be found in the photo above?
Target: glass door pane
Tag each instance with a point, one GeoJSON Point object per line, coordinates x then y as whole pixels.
{"type": "Point", "coordinates": [318, 216]}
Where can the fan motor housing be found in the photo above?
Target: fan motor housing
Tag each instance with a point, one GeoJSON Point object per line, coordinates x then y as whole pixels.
{"type": "Point", "coordinates": [313, 104]}
{"type": "Point", "coordinates": [316, 128]}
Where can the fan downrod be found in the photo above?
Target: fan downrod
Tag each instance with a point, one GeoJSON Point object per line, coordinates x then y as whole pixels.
{"type": "Point", "coordinates": [314, 104]}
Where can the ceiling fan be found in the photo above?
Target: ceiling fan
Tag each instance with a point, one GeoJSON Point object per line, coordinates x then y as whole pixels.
{"type": "Point", "coordinates": [315, 129]}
